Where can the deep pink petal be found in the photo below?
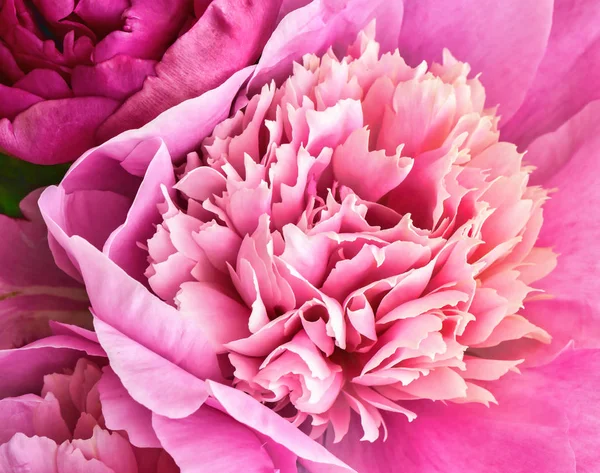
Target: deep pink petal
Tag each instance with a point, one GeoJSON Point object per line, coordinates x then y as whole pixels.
{"type": "Point", "coordinates": [149, 28]}
{"type": "Point", "coordinates": [45, 83]}
{"type": "Point", "coordinates": [228, 37]}
{"type": "Point", "coordinates": [13, 101]}
{"type": "Point", "coordinates": [116, 78]}
{"type": "Point", "coordinates": [34, 136]}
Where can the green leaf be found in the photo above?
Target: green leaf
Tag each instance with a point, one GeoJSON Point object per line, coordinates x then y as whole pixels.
{"type": "Point", "coordinates": [18, 178]}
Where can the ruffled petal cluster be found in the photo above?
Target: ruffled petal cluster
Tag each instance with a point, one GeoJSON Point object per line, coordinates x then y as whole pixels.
{"type": "Point", "coordinates": [356, 239]}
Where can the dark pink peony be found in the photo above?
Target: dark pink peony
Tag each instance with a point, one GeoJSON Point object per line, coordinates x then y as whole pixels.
{"type": "Point", "coordinates": [73, 74]}
{"type": "Point", "coordinates": [359, 238]}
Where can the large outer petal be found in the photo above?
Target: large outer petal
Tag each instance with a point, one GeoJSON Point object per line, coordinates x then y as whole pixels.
{"type": "Point", "coordinates": [567, 78]}
{"type": "Point", "coordinates": [229, 36]}
{"type": "Point", "coordinates": [569, 160]}
{"type": "Point", "coordinates": [210, 440]}
{"type": "Point", "coordinates": [505, 41]}
{"type": "Point", "coordinates": [547, 420]}
{"type": "Point", "coordinates": [159, 356]}
{"type": "Point", "coordinates": [55, 131]}
{"type": "Point", "coordinates": [251, 413]}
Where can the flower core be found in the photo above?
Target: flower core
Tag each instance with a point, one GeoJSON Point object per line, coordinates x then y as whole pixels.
{"type": "Point", "coordinates": [356, 239]}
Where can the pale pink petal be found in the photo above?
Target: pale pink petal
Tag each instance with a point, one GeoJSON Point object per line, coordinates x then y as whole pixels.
{"type": "Point", "coordinates": [121, 412]}
{"type": "Point", "coordinates": [31, 454]}
{"type": "Point", "coordinates": [504, 41]}
{"type": "Point", "coordinates": [116, 78]}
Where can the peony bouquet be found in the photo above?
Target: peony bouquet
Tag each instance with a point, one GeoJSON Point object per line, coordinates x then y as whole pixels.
{"type": "Point", "coordinates": [324, 236]}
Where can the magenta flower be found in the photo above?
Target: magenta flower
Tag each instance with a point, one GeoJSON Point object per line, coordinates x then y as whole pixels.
{"type": "Point", "coordinates": [360, 238]}
{"type": "Point", "coordinates": [98, 68]}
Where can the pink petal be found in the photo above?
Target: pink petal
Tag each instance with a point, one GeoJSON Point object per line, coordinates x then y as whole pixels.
{"type": "Point", "coordinates": [220, 317]}
{"type": "Point", "coordinates": [16, 415]}
{"type": "Point", "coordinates": [146, 339]}
{"type": "Point", "coordinates": [121, 412]}
{"type": "Point", "coordinates": [184, 126]}
{"type": "Point", "coordinates": [30, 454]}
{"type": "Point", "coordinates": [248, 411]}
{"type": "Point", "coordinates": [116, 78]}
{"type": "Point", "coordinates": [505, 41]}
{"type": "Point", "coordinates": [122, 245]}
{"type": "Point", "coordinates": [319, 25]}
{"type": "Point", "coordinates": [545, 419]}
{"type": "Point", "coordinates": [180, 76]}
{"type": "Point", "coordinates": [33, 135]}
{"type": "Point", "coordinates": [45, 83]}
{"type": "Point", "coordinates": [230, 447]}
{"type": "Point", "coordinates": [565, 79]}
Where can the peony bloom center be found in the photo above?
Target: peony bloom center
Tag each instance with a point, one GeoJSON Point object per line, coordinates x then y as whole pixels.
{"type": "Point", "coordinates": [356, 239]}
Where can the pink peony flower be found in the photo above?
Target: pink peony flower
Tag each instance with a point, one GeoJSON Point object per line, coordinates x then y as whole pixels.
{"type": "Point", "coordinates": [359, 239]}
{"type": "Point", "coordinates": [83, 65]}
{"type": "Point", "coordinates": [367, 251]}
{"type": "Point", "coordinates": [76, 415]}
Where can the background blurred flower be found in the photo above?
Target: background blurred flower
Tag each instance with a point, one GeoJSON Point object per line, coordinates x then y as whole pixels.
{"type": "Point", "coordinates": [76, 73]}
{"type": "Point", "coordinates": [509, 43]}
{"type": "Point", "coordinates": [33, 290]}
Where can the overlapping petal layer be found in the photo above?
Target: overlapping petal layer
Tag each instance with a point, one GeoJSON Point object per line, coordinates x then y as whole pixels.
{"type": "Point", "coordinates": [356, 238]}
